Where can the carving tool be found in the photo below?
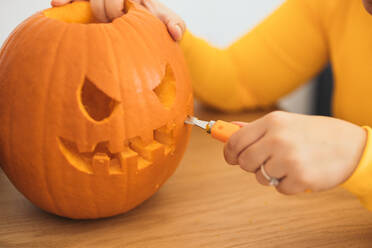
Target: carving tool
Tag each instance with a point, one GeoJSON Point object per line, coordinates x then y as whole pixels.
{"type": "Point", "coordinates": [220, 130]}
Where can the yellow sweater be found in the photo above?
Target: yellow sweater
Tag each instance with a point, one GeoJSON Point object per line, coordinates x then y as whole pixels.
{"type": "Point", "coordinates": [283, 52]}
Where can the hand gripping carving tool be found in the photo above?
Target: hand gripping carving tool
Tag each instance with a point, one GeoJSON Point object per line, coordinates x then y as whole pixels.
{"type": "Point", "coordinates": [222, 131]}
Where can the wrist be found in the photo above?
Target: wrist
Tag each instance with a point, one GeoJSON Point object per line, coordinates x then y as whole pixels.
{"type": "Point", "coordinates": [359, 181]}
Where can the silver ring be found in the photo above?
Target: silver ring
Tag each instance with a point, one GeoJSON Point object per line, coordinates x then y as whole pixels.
{"type": "Point", "coordinates": [272, 180]}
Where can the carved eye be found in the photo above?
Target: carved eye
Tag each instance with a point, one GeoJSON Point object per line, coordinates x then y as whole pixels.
{"type": "Point", "coordinates": [166, 90]}
{"type": "Point", "coordinates": [95, 103]}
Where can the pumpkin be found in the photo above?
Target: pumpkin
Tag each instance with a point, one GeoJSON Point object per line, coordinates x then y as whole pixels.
{"type": "Point", "coordinates": [92, 114]}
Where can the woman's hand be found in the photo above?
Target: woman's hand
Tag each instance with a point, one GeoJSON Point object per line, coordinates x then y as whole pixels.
{"type": "Point", "coordinates": [108, 10]}
{"type": "Point", "coordinates": [304, 152]}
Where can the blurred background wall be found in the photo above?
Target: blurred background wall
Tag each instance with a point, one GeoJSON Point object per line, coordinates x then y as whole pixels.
{"type": "Point", "coordinates": [218, 21]}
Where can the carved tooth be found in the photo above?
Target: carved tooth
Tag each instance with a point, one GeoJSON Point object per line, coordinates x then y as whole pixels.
{"type": "Point", "coordinates": [151, 152]}
{"type": "Point", "coordinates": [128, 158]}
{"type": "Point", "coordinates": [165, 135]}
{"type": "Point", "coordinates": [156, 151]}
{"type": "Point", "coordinates": [115, 167]}
{"type": "Point", "coordinates": [142, 164]}
{"type": "Point", "coordinates": [101, 163]}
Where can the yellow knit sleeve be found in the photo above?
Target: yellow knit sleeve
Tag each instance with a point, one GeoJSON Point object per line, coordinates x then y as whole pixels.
{"type": "Point", "coordinates": [280, 54]}
{"type": "Point", "coordinates": [360, 183]}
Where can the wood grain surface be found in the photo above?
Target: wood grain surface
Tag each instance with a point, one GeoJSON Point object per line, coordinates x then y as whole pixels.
{"type": "Point", "coordinates": [205, 204]}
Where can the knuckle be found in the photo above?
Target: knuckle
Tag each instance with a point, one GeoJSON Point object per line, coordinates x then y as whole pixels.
{"type": "Point", "coordinates": [164, 17]}
{"type": "Point", "coordinates": [278, 140]}
{"type": "Point", "coordinates": [247, 161]}
{"type": "Point", "coordinates": [276, 117]}
{"type": "Point", "coordinates": [246, 166]}
{"type": "Point", "coordinates": [231, 146]}
{"type": "Point", "coordinates": [281, 141]}
{"type": "Point", "coordinates": [229, 156]}
{"type": "Point", "coordinates": [241, 161]}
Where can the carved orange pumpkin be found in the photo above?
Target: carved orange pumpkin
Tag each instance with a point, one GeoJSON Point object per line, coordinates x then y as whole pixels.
{"type": "Point", "coordinates": [91, 115]}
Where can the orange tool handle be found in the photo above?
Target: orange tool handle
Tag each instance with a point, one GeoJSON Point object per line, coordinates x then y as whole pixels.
{"type": "Point", "coordinates": [223, 130]}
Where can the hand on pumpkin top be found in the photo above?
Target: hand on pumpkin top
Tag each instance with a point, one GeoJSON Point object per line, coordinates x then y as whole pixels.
{"type": "Point", "coordinates": [108, 10]}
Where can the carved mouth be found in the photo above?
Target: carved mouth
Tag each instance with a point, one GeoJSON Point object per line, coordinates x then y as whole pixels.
{"type": "Point", "coordinates": [135, 153]}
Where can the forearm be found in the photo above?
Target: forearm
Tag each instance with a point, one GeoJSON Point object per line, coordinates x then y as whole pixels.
{"type": "Point", "coordinates": [280, 54]}
{"type": "Point", "coordinates": [215, 77]}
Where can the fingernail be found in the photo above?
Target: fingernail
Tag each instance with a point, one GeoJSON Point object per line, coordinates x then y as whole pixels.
{"type": "Point", "coordinates": [179, 32]}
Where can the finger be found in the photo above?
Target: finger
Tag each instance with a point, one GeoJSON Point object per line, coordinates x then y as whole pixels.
{"type": "Point", "coordinates": [261, 178]}
{"type": "Point", "coordinates": [244, 138]}
{"type": "Point", "coordinates": [275, 168]}
{"type": "Point", "coordinates": [151, 6]}
{"type": "Point", "coordinates": [56, 3]}
{"type": "Point", "coordinates": [99, 10]}
{"type": "Point", "coordinates": [254, 156]}
{"type": "Point", "coordinates": [114, 8]}
{"type": "Point", "coordinates": [289, 187]}
{"type": "Point", "coordinates": [176, 31]}
{"type": "Point", "coordinates": [176, 26]}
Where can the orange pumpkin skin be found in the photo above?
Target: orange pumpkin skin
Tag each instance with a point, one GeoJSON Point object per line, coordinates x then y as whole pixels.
{"type": "Point", "coordinates": [92, 114]}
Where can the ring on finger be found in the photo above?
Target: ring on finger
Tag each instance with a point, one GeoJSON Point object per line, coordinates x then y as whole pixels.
{"type": "Point", "coordinates": [272, 180]}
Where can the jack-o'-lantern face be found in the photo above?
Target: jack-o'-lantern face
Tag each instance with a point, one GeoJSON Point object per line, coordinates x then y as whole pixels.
{"type": "Point", "coordinates": [95, 119]}
{"type": "Point", "coordinates": [101, 150]}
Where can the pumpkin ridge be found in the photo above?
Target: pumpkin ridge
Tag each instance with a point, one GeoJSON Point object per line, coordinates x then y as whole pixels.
{"type": "Point", "coordinates": [128, 157]}
{"type": "Point", "coordinates": [90, 192]}
{"type": "Point", "coordinates": [23, 26]}
{"type": "Point", "coordinates": [44, 121]}
{"type": "Point", "coordinates": [145, 47]}
{"type": "Point", "coordinates": [13, 43]}
{"type": "Point", "coordinates": [34, 28]}
{"type": "Point", "coordinates": [139, 82]}
{"type": "Point", "coordinates": [146, 29]}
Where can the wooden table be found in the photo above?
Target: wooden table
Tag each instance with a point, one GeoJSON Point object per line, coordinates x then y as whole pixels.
{"type": "Point", "coordinates": [205, 204]}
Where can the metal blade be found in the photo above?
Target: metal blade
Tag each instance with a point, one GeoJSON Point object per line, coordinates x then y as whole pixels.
{"type": "Point", "coordinates": [191, 120]}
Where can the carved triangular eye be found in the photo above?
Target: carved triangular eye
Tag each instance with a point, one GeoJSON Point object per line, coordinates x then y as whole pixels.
{"type": "Point", "coordinates": [96, 104]}
{"type": "Point", "coordinates": [166, 90]}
